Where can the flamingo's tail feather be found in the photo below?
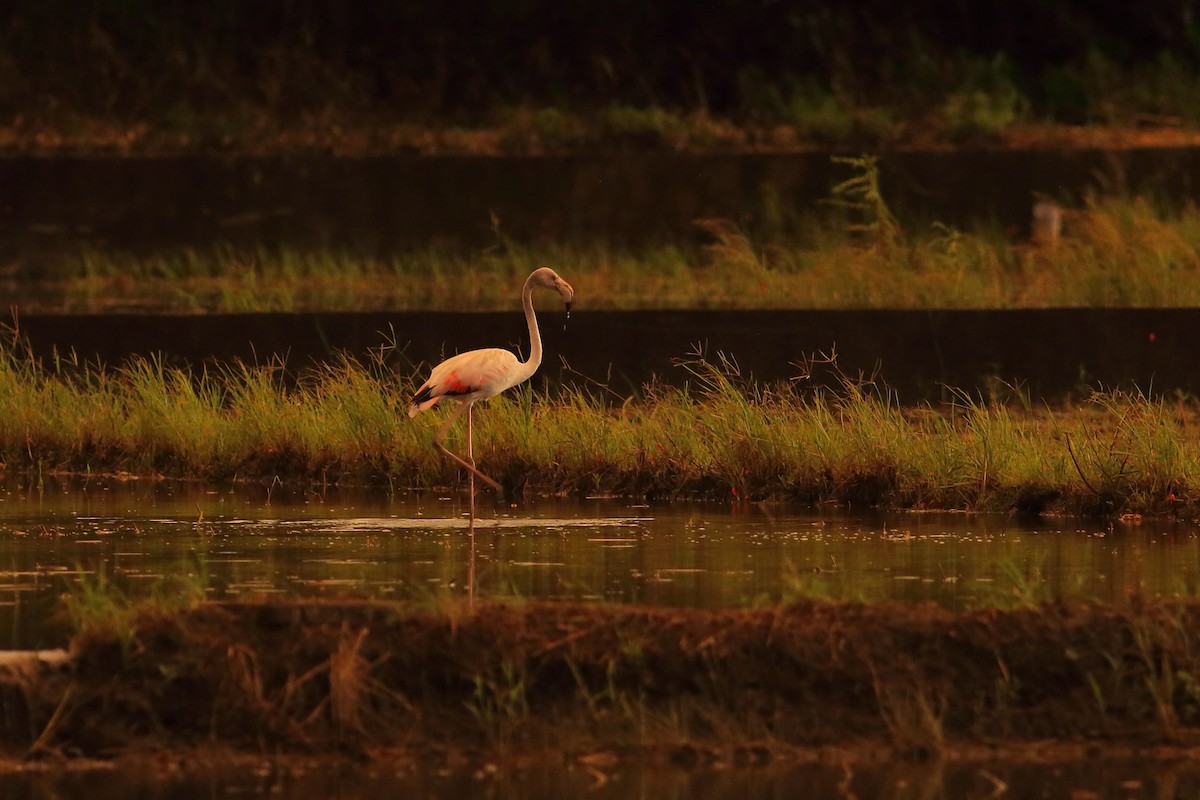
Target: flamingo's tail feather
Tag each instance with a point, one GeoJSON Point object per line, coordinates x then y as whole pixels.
{"type": "Point", "coordinates": [423, 399]}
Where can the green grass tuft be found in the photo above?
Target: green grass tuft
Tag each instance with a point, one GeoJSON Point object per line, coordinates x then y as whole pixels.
{"type": "Point", "coordinates": [1114, 251]}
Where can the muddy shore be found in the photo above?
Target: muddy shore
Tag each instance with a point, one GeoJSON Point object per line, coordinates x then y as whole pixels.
{"type": "Point", "coordinates": [689, 687]}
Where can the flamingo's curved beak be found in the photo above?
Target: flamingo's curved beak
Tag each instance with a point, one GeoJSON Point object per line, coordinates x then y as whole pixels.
{"type": "Point", "coordinates": [567, 293]}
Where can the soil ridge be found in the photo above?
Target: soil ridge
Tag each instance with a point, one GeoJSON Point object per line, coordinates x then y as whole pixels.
{"type": "Point", "coordinates": [369, 677]}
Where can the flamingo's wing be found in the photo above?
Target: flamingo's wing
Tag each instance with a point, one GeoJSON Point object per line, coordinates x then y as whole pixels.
{"type": "Point", "coordinates": [473, 375]}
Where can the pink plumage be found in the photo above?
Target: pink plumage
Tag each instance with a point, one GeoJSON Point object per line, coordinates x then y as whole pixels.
{"type": "Point", "coordinates": [480, 374]}
{"type": "Point", "coordinates": [467, 377]}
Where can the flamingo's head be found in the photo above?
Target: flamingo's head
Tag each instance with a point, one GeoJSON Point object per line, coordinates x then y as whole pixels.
{"type": "Point", "coordinates": [548, 278]}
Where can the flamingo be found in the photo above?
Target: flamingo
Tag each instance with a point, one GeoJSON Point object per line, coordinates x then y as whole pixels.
{"type": "Point", "coordinates": [480, 374]}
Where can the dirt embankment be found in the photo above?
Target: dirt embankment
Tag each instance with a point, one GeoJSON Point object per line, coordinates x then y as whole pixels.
{"type": "Point", "coordinates": [95, 138]}
{"type": "Point", "coordinates": [749, 685]}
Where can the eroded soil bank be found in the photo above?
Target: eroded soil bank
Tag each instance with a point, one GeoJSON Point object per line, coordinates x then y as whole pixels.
{"type": "Point", "coordinates": [750, 686]}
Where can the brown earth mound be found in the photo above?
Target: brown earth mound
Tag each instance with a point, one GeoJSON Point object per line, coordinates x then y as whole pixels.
{"type": "Point", "coordinates": [373, 678]}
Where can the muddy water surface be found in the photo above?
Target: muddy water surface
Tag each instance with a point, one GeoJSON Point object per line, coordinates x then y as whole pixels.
{"type": "Point", "coordinates": [245, 544]}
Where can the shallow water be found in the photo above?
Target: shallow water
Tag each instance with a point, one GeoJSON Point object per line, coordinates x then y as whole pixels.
{"type": "Point", "coordinates": [246, 543]}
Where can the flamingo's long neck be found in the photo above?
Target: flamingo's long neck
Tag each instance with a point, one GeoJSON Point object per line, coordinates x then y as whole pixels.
{"type": "Point", "coordinates": [534, 361]}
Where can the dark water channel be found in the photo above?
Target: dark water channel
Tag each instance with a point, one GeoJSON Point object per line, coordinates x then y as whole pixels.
{"type": "Point", "coordinates": [385, 204]}
{"type": "Point", "coordinates": [238, 545]}
{"type": "Point", "coordinates": [1046, 353]}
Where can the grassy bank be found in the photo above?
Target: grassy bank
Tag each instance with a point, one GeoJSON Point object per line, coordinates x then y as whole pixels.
{"type": "Point", "coordinates": [720, 437]}
{"type": "Point", "coordinates": [691, 685]}
{"type": "Point", "coordinates": [1114, 251]}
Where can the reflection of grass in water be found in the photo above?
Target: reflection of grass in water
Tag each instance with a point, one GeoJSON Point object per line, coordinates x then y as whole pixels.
{"type": "Point", "coordinates": [833, 583]}
{"type": "Point", "coordinates": [1020, 585]}
{"type": "Point", "coordinates": [722, 435]}
{"type": "Point", "coordinates": [1023, 582]}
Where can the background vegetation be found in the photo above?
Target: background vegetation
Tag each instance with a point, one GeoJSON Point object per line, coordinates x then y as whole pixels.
{"type": "Point", "coordinates": [618, 72]}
